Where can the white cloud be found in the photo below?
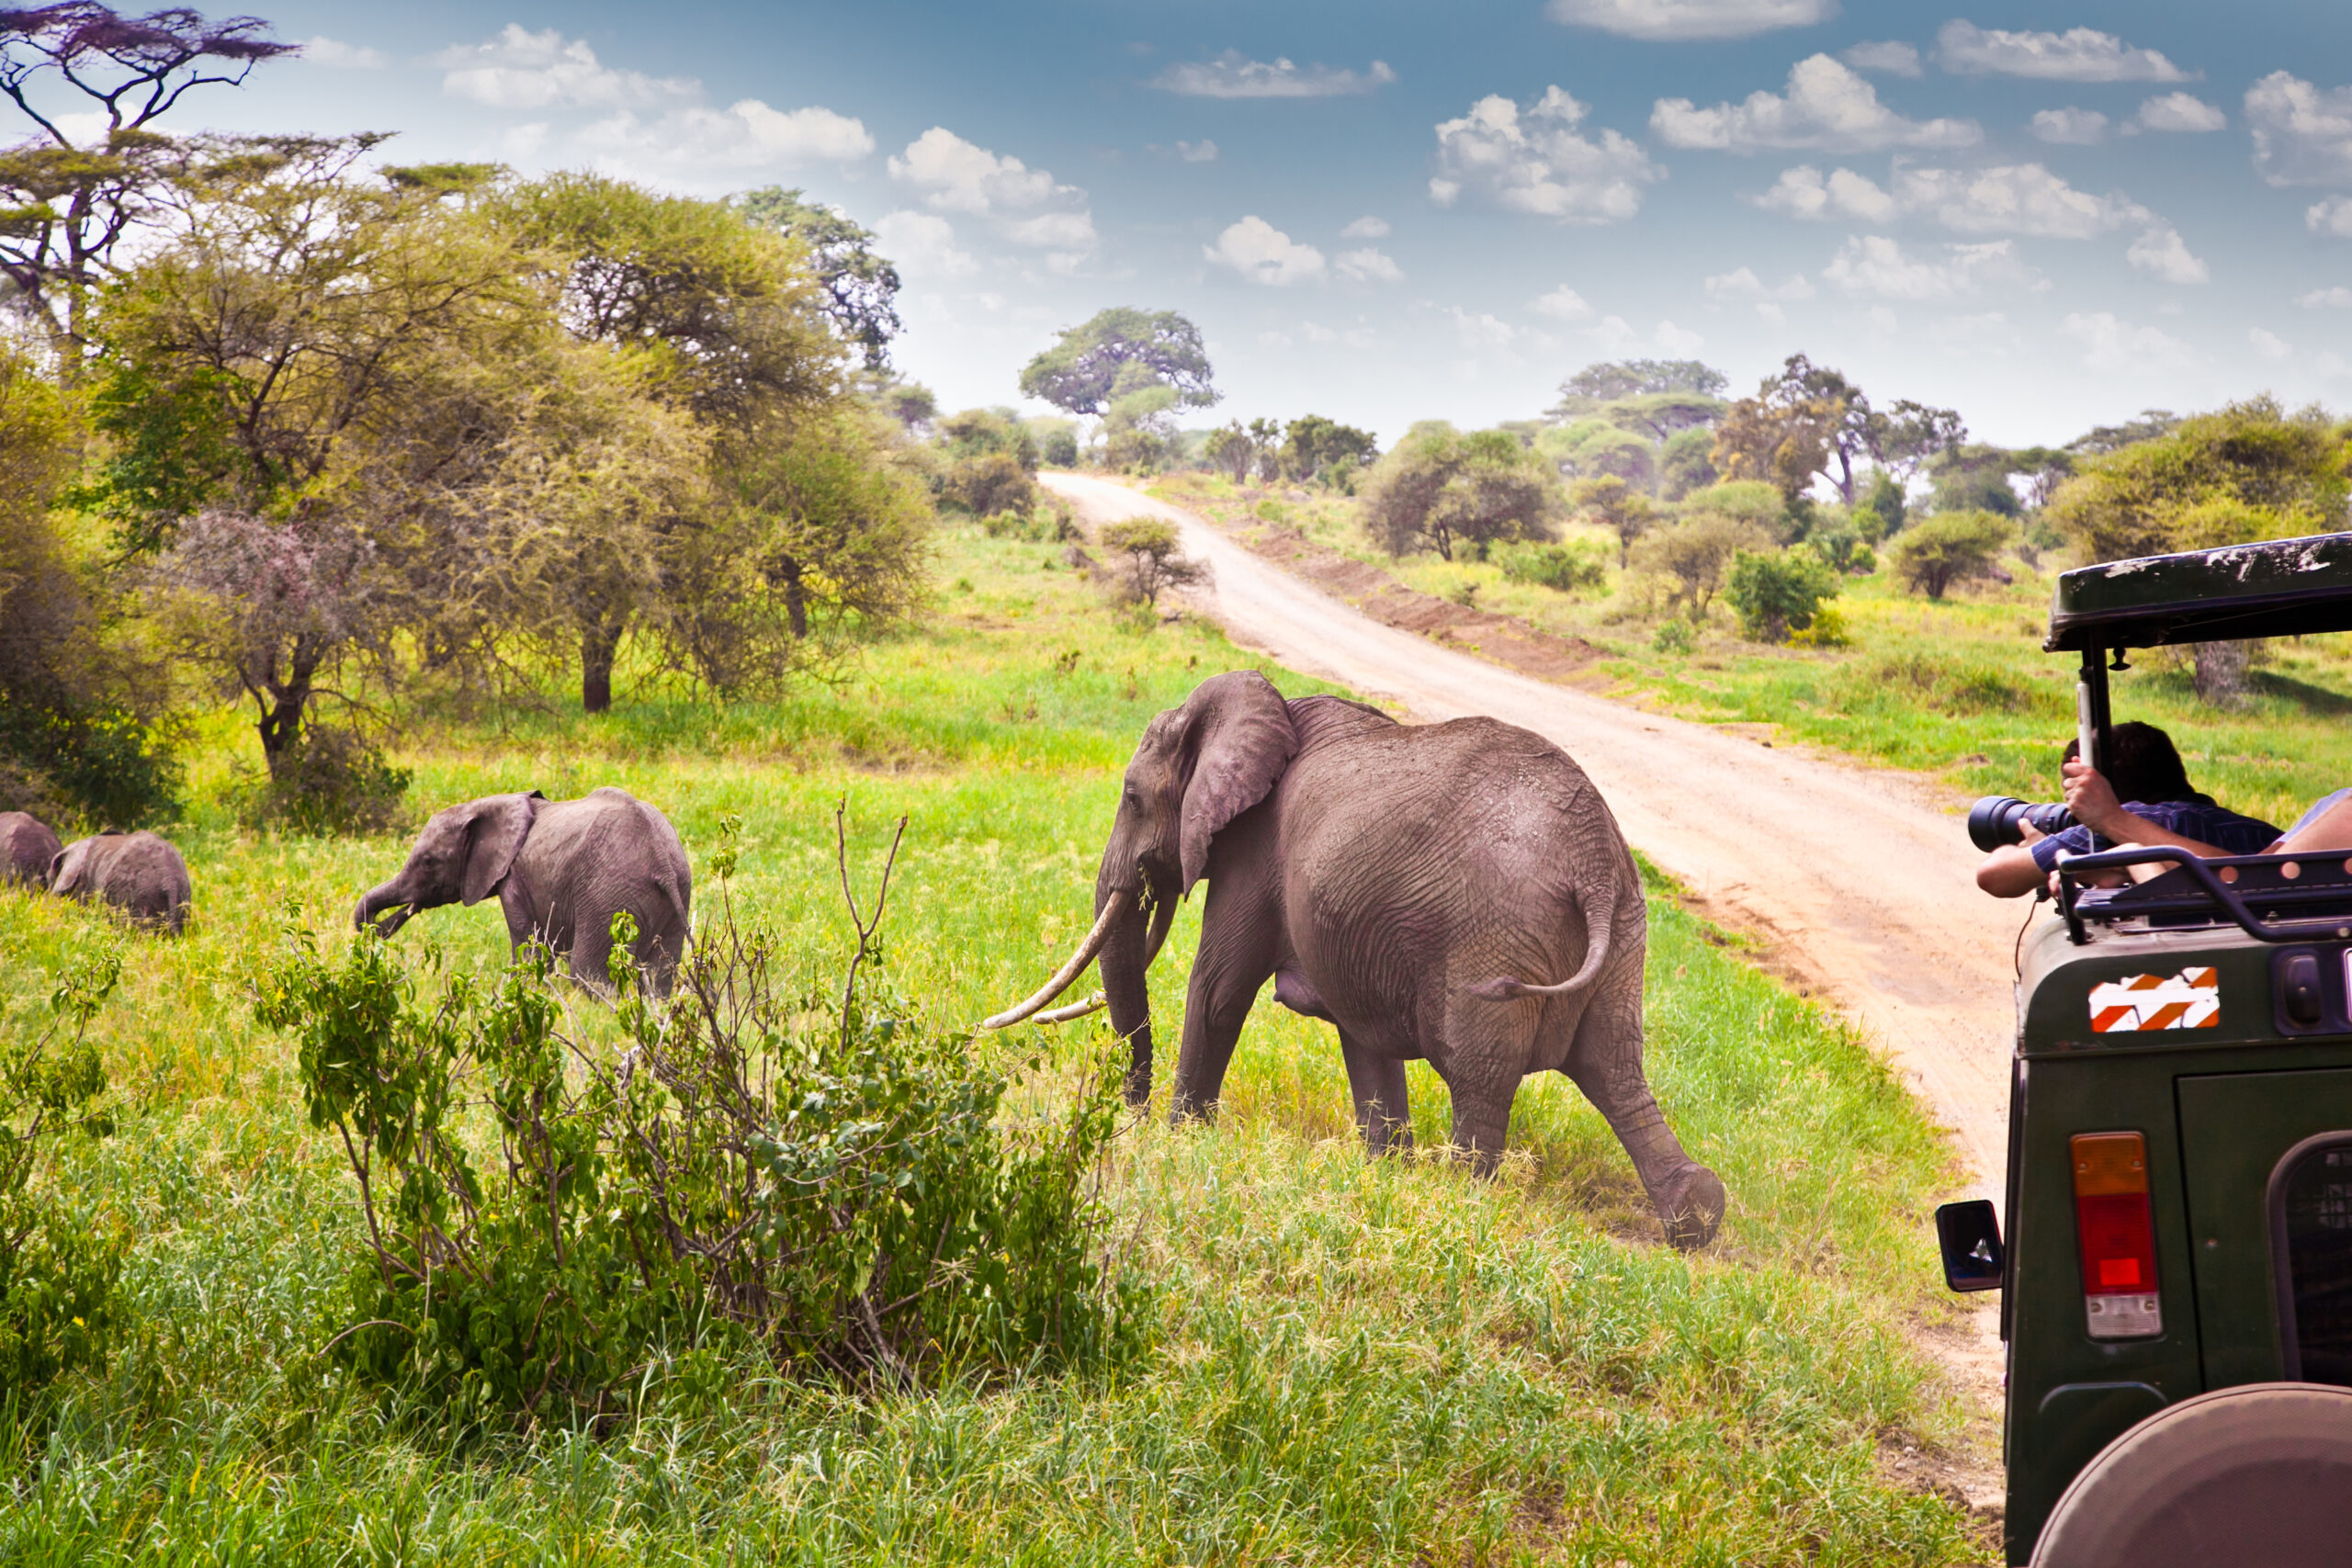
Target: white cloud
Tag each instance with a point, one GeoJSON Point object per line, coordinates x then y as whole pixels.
{"type": "Point", "coordinates": [2331, 216]}
{"type": "Point", "coordinates": [2016, 198]}
{"type": "Point", "coordinates": [339, 56]}
{"type": "Point", "coordinates": [1743, 285]}
{"type": "Point", "coordinates": [1669, 21]}
{"type": "Point", "coordinates": [2271, 346]}
{"type": "Point", "coordinates": [1873, 267]}
{"type": "Point", "coordinates": [1368, 265]}
{"type": "Point", "coordinates": [1615, 335]}
{"type": "Point", "coordinates": [746, 135]}
{"type": "Point", "coordinates": [2179, 111]}
{"type": "Point", "coordinates": [1895, 59]}
{"type": "Point", "coordinates": [1980, 334]}
{"type": "Point", "coordinates": [2069, 127]}
{"type": "Point", "coordinates": [1263, 253]}
{"type": "Point", "coordinates": [2079, 54]}
{"type": "Point", "coordinates": [1479, 331]}
{"type": "Point", "coordinates": [1201, 152]}
{"type": "Point", "coordinates": [2109, 343]}
{"type": "Point", "coordinates": [523, 70]}
{"type": "Point", "coordinates": [1562, 304]}
{"type": "Point", "coordinates": [1028, 206]}
{"type": "Point", "coordinates": [2163, 252]}
{"type": "Point", "coordinates": [1366, 228]}
{"type": "Point", "coordinates": [922, 243]}
{"type": "Point", "coordinates": [2339, 297]}
{"type": "Point", "coordinates": [1348, 337]}
{"type": "Point", "coordinates": [1534, 160]}
{"type": "Point", "coordinates": [2303, 134]}
{"type": "Point", "coordinates": [1234, 75]}
{"type": "Point", "coordinates": [1827, 107]}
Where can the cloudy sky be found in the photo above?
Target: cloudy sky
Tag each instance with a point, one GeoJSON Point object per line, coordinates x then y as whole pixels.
{"type": "Point", "coordinates": [2046, 215]}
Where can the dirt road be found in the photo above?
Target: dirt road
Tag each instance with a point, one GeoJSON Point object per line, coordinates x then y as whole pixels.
{"type": "Point", "coordinates": [1861, 881]}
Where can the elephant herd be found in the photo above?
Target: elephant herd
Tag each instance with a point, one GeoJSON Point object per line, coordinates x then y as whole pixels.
{"type": "Point", "coordinates": [1456, 892]}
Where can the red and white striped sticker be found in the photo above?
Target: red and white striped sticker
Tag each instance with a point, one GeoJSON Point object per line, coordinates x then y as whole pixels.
{"type": "Point", "coordinates": [2191, 999]}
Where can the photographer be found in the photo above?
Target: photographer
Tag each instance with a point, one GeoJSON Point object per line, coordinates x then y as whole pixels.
{"type": "Point", "coordinates": [2144, 797]}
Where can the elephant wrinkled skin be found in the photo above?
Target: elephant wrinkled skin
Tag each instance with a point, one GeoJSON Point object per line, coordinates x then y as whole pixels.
{"type": "Point", "coordinates": [137, 872]}
{"type": "Point", "coordinates": [1457, 893]}
{"type": "Point", "coordinates": [561, 870]}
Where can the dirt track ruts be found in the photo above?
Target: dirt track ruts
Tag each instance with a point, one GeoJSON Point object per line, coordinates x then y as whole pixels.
{"type": "Point", "coordinates": [1860, 881]}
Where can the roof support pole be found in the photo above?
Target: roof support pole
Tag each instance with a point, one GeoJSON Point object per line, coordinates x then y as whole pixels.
{"type": "Point", "coordinates": [2093, 723]}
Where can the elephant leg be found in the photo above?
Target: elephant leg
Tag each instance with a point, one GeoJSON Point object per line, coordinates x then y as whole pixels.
{"type": "Point", "coordinates": [1605, 1063]}
{"type": "Point", "coordinates": [1234, 960]}
{"type": "Point", "coordinates": [1377, 1083]}
{"type": "Point", "coordinates": [1485, 1054]}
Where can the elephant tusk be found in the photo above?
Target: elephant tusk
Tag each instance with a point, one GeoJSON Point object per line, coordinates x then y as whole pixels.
{"type": "Point", "coordinates": [1094, 1003]}
{"type": "Point", "coordinates": [1162, 916]}
{"type": "Point", "coordinates": [1068, 972]}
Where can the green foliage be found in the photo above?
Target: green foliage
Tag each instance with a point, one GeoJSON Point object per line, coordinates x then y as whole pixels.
{"type": "Point", "coordinates": [1569, 568]}
{"type": "Point", "coordinates": [1975, 478]}
{"type": "Point", "coordinates": [1613, 503]}
{"type": "Point", "coordinates": [1048, 523]}
{"type": "Point", "coordinates": [1314, 447]}
{"type": "Point", "coordinates": [332, 783]}
{"type": "Point", "coordinates": [1750, 501]}
{"type": "Point", "coordinates": [1059, 448]}
{"type": "Point", "coordinates": [1437, 487]}
{"type": "Point", "coordinates": [1614, 380]}
{"type": "Point", "coordinates": [861, 287]}
{"type": "Point", "coordinates": [1776, 592]}
{"type": "Point", "coordinates": [1691, 555]}
{"type": "Point", "coordinates": [990, 484]}
{"type": "Point", "coordinates": [1150, 558]}
{"type": "Point", "coordinates": [1672, 637]}
{"type": "Point", "coordinates": [1829, 630]}
{"type": "Point", "coordinates": [1118, 353]}
{"type": "Point", "coordinates": [170, 449]}
{"type": "Point", "coordinates": [1948, 547]}
{"type": "Point", "coordinates": [810, 1173]}
{"type": "Point", "coordinates": [1685, 463]}
{"type": "Point", "coordinates": [59, 1267]}
{"type": "Point", "coordinates": [2248, 471]}
{"type": "Point", "coordinates": [1880, 514]}
{"type": "Point", "coordinates": [1842, 549]}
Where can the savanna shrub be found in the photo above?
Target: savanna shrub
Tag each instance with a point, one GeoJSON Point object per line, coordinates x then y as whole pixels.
{"type": "Point", "coordinates": [1672, 637]}
{"type": "Point", "coordinates": [1568, 568]}
{"type": "Point", "coordinates": [1948, 548]}
{"type": "Point", "coordinates": [1844, 551]}
{"type": "Point", "coordinates": [989, 482]}
{"type": "Point", "coordinates": [561, 1230]}
{"type": "Point", "coordinates": [1049, 522]}
{"type": "Point", "coordinates": [334, 783]}
{"type": "Point", "coordinates": [59, 1267]}
{"type": "Point", "coordinates": [1775, 592]}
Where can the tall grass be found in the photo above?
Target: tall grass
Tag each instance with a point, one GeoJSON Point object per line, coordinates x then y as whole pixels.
{"type": "Point", "coordinates": [1347, 1361]}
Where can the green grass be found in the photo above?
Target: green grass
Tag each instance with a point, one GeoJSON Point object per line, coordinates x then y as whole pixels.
{"type": "Point", "coordinates": [1348, 1362]}
{"type": "Point", "coordinates": [1958, 688]}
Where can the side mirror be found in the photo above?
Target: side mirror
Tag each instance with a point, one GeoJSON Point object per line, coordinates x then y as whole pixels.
{"type": "Point", "coordinates": [1970, 1237]}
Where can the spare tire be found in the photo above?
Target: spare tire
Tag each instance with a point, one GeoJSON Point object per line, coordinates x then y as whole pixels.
{"type": "Point", "coordinates": [2257, 1473]}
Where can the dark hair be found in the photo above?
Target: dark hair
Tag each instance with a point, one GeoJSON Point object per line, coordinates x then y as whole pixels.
{"type": "Point", "coordinates": [2141, 764]}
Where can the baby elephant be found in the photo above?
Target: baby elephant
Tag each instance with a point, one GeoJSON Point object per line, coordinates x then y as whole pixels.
{"type": "Point", "coordinates": [137, 872]}
{"type": "Point", "coordinates": [561, 869]}
{"type": "Point", "coordinates": [27, 846]}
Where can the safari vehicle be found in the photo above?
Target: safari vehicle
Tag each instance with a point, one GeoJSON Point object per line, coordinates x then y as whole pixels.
{"type": "Point", "coordinates": [2177, 1283]}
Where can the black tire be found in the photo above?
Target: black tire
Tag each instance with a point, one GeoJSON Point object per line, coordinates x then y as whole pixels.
{"type": "Point", "coordinates": [2260, 1473]}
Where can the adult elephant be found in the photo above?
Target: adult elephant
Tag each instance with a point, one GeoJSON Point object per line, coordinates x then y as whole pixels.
{"type": "Point", "coordinates": [561, 870]}
{"type": "Point", "coordinates": [1454, 892]}
{"type": "Point", "coordinates": [27, 848]}
{"type": "Point", "coordinates": [138, 873]}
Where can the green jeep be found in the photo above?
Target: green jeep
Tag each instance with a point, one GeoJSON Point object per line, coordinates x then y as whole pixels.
{"type": "Point", "coordinates": [2177, 1277]}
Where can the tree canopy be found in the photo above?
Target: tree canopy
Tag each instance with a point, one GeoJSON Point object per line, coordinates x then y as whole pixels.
{"type": "Point", "coordinates": [1118, 353]}
{"type": "Point", "coordinates": [1438, 487]}
{"type": "Point", "coordinates": [861, 287]}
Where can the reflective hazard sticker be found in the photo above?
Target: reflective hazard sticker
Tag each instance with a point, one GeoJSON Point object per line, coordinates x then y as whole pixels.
{"type": "Point", "coordinates": [2191, 999]}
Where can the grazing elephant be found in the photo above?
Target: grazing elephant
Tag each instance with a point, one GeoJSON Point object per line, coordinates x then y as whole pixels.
{"type": "Point", "coordinates": [27, 846]}
{"type": "Point", "coordinates": [1453, 891]}
{"type": "Point", "coordinates": [137, 872]}
{"type": "Point", "coordinates": [561, 869]}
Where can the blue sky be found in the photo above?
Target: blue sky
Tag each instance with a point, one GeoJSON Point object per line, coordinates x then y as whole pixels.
{"type": "Point", "coordinates": [2045, 217]}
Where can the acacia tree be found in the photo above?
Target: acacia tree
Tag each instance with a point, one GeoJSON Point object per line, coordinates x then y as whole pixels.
{"type": "Point", "coordinates": [1617, 506]}
{"type": "Point", "coordinates": [65, 207]}
{"type": "Point", "coordinates": [1437, 488]}
{"type": "Point", "coordinates": [861, 287]}
{"type": "Point", "coordinates": [1118, 353]}
{"type": "Point", "coordinates": [1230, 450]}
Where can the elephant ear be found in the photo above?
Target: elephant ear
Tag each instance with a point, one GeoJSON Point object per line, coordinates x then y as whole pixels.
{"type": "Point", "coordinates": [495, 837]}
{"type": "Point", "coordinates": [1239, 732]}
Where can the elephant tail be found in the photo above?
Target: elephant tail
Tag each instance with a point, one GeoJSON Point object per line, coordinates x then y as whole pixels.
{"type": "Point", "coordinates": [1505, 988]}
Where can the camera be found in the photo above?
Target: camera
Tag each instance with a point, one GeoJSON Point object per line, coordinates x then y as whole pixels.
{"type": "Point", "coordinates": [1994, 822]}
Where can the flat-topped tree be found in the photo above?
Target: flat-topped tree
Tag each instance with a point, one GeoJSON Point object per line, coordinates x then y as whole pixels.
{"type": "Point", "coordinates": [1119, 353]}
{"type": "Point", "coordinates": [64, 205]}
{"type": "Point", "coordinates": [861, 287]}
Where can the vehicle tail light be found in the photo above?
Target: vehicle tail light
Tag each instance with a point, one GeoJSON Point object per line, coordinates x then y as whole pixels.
{"type": "Point", "coordinates": [2119, 1240]}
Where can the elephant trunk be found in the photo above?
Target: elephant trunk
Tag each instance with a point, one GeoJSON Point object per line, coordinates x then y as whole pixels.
{"type": "Point", "coordinates": [1127, 952]}
{"type": "Point", "coordinates": [387, 907]}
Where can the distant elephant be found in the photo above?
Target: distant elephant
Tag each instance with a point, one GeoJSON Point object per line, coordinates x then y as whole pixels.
{"type": "Point", "coordinates": [561, 869]}
{"type": "Point", "coordinates": [27, 846]}
{"type": "Point", "coordinates": [1457, 893]}
{"type": "Point", "coordinates": [137, 872]}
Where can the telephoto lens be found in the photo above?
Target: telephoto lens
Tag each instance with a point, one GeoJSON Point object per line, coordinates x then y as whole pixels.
{"type": "Point", "coordinates": [1995, 821]}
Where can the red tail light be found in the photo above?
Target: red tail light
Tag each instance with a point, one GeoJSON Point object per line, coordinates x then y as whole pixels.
{"type": "Point", "coordinates": [2118, 1240]}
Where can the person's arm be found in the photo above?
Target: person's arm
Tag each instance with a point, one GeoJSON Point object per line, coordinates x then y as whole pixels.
{"type": "Point", "coordinates": [2092, 801]}
{"type": "Point", "coordinates": [2011, 871]}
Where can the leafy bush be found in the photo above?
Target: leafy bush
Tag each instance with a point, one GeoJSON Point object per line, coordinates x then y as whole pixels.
{"type": "Point", "coordinates": [1690, 557]}
{"type": "Point", "coordinates": [1059, 448]}
{"type": "Point", "coordinates": [99, 761]}
{"type": "Point", "coordinates": [58, 1267]}
{"type": "Point", "coordinates": [1843, 550]}
{"type": "Point", "coordinates": [1828, 630]}
{"type": "Point", "coordinates": [1151, 560]}
{"type": "Point", "coordinates": [1948, 548]}
{"type": "Point", "coordinates": [990, 483]}
{"type": "Point", "coordinates": [335, 782]}
{"type": "Point", "coordinates": [1048, 523]}
{"type": "Point", "coordinates": [1776, 592]}
{"type": "Point", "coordinates": [562, 1230]}
{"type": "Point", "coordinates": [1568, 568]}
{"type": "Point", "coordinates": [1671, 637]}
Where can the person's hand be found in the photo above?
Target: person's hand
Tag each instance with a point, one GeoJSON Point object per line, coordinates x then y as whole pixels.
{"type": "Point", "coordinates": [2091, 798]}
{"type": "Point", "coordinates": [2029, 834]}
